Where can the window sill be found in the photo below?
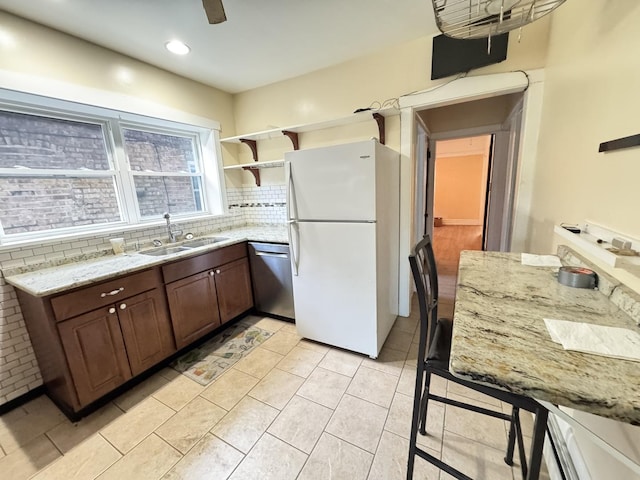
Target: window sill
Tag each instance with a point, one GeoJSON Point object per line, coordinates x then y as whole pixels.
{"type": "Point", "coordinates": [106, 232]}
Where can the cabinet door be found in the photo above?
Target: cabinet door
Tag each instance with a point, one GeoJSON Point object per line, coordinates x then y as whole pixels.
{"type": "Point", "coordinates": [233, 284]}
{"type": "Point", "coordinates": [95, 352]}
{"type": "Point", "coordinates": [193, 306]}
{"type": "Point", "coordinates": [146, 328]}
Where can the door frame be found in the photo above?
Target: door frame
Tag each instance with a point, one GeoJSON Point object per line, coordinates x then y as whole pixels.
{"type": "Point", "coordinates": [458, 91]}
{"type": "Point", "coordinates": [457, 135]}
{"type": "Point", "coordinates": [497, 215]}
{"type": "Point", "coordinates": [423, 220]}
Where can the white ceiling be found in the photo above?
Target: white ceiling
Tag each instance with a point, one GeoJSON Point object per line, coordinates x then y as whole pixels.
{"type": "Point", "coordinates": [262, 42]}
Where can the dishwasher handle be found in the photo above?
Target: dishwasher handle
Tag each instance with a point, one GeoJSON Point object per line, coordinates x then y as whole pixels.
{"type": "Point", "coordinates": [270, 254]}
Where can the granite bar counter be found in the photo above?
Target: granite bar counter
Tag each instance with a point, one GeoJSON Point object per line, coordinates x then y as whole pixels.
{"type": "Point", "coordinates": [500, 338]}
{"type": "Point", "coordinates": [48, 279]}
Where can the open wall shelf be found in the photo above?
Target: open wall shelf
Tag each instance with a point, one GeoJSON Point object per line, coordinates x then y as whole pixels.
{"type": "Point", "coordinates": [251, 139]}
{"type": "Point", "coordinates": [267, 164]}
{"type": "Point", "coordinates": [309, 127]}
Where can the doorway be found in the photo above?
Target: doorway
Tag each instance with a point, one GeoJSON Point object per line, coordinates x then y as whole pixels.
{"type": "Point", "coordinates": [522, 146]}
{"type": "Point", "coordinates": [460, 200]}
{"type": "Point", "coordinates": [489, 128]}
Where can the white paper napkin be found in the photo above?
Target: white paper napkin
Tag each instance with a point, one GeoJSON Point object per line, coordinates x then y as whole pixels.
{"type": "Point", "coordinates": [596, 339]}
{"type": "Point", "coordinates": [540, 260]}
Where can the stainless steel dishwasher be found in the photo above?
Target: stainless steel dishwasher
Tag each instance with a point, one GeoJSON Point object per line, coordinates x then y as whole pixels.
{"type": "Point", "coordinates": [271, 278]}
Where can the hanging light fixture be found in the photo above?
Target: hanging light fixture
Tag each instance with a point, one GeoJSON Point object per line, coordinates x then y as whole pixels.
{"type": "Point", "coordinates": [486, 18]}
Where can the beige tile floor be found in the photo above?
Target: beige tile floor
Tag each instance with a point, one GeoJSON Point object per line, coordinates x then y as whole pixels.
{"type": "Point", "coordinates": [292, 409]}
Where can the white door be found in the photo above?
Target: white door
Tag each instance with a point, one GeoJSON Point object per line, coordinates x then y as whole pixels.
{"type": "Point", "coordinates": [423, 211]}
{"type": "Point", "coordinates": [335, 287]}
{"type": "Point", "coordinates": [332, 183]}
{"type": "Point", "coordinates": [503, 183]}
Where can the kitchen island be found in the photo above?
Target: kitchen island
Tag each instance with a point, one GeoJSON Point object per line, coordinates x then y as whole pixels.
{"type": "Point", "coordinates": [500, 338]}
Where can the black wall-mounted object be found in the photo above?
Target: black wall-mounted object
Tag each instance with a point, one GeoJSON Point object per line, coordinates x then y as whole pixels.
{"type": "Point", "coordinates": [617, 144]}
{"type": "Point", "coordinates": [453, 55]}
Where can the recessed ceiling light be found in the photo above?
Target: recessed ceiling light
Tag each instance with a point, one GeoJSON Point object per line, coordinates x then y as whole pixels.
{"type": "Point", "coordinates": [177, 47]}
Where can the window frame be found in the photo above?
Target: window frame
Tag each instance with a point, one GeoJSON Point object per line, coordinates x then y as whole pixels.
{"type": "Point", "coordinates": [129, 181]}
{"type": "Point", "coordinates": [206, 149]}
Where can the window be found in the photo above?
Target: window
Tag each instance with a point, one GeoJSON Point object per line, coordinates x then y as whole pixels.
{"type": "Point", "coordinates": [64, 172]}
{"type": "Point", "coordinates": [166, 172]}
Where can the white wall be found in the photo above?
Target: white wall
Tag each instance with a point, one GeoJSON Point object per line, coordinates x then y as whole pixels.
{"type": "Point", "coordinates": [591, 96]}
{"type": "Point", "coordinates": [479, 113]}
{"type": "Point", "coordinates": [337, 91]}
{"type": "Point", "coordinates": [461, 168]}
{"type": "Point", "coordinates": [47, 59]}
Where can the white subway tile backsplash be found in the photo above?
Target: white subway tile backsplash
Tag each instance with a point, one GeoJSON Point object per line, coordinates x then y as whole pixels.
{"type": "Point", "coordinates": [18, 332]}
{"type": "Point", "coordinates": [10, 395]}
{"type": "Point", "coordinates": [16, 254]}
{"type": "Point", "coordinates": [43, 250]}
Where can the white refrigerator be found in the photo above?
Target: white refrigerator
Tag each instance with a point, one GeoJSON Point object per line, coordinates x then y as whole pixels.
{"type": "Point", "coordinates": [343, 214]}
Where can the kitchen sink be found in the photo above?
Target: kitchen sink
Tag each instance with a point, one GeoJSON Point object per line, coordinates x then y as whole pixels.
{"type": "Point", "coordinates": [160, 251]}
{"type": "Point", "coordinates": [203, 241]}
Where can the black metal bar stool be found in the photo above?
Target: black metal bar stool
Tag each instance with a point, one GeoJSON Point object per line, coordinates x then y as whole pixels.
{"type": "Point", "coordinates": [433, 359]}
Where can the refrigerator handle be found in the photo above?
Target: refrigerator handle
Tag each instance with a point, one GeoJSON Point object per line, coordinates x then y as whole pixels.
{"type": "Point", "coordinates": [289, 180]}
{"type": "Point", "coordinates": [292, 247]}
{"type": "Point", "coordinates": [291, 222]}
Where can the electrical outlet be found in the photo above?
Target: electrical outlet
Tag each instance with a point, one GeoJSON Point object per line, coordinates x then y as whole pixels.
{"type": "Point", "coordinates": [621, 243]}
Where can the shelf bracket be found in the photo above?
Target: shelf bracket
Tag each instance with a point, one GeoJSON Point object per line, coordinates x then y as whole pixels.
{"type": "Point", "coordinates": [380, 120]}
{"type": "Point", "coordinates": [255, 172]}
{"type": "Point", "coordinates": [293, 136]}
{"type": "Point", "coordinates": [617, 144]}
{"type": "Point", "coordinates": [253, 145]}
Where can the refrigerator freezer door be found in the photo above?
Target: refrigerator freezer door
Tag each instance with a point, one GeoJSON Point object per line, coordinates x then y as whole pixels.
{"type": "Point", "coordinates": [335, 290]}
{"type": "Point", "coordinates": [335, 183]}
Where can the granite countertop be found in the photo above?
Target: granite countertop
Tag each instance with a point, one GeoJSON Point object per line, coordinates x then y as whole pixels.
{"type": "Point", "coordinates": [59, 278]}
{"type": "Point", "coordinates": [500, 338]}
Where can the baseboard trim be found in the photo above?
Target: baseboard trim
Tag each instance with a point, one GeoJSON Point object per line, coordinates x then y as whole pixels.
{"type": "Point", "coordinates": [22, 399]}
{"type": "Point", "coordinates": [461, 221]}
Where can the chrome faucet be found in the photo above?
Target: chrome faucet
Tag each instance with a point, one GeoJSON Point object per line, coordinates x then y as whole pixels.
{"type": "Point", "coordinates": [171, 229]}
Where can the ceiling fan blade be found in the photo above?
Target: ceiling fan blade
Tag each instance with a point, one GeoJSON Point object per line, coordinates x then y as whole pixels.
{"type": "Point", "coordinates": [214, 10]}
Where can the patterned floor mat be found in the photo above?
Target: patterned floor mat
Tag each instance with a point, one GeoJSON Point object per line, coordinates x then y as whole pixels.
{"type": "Point", "coordinates": [206, 362]}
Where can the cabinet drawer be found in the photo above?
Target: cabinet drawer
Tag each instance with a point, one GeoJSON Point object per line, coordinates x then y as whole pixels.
{"type": "Point", "coordinates": [80, 301]}
{"type": "Point", "coordinates": [191, 266]}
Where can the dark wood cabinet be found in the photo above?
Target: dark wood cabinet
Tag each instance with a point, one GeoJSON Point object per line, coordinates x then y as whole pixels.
{"type": "Point", "coordinates": [95, 352]}
{"type": "Point", "coordinates": [216, 288]}
{"type": "Point", "coordinates": [107, 346]}
{"type": "Point", "coordinates": [233, 286]}
{"type": "Point", "coordinates": [146, 329]}
{"type": "Point", "coordinates": [92, 339]}
{"type": "Point", "coordinates": [194, 307]}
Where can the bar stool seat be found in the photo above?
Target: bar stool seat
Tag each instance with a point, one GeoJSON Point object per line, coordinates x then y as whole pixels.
{"type": "Point", "coordinates": [433, 359]}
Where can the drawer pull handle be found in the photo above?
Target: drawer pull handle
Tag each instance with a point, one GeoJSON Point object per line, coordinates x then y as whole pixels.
{"type": "Point", "coordinates": [123, 306]}
{"type": "Point", "coordinates": [112, 310]}
{"type": "Point", "coordinates": [218, 272]}
{"type": "Point", "coordinates": [112, 292]}
{"type": "Point", "coordinates": [211, 273]}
